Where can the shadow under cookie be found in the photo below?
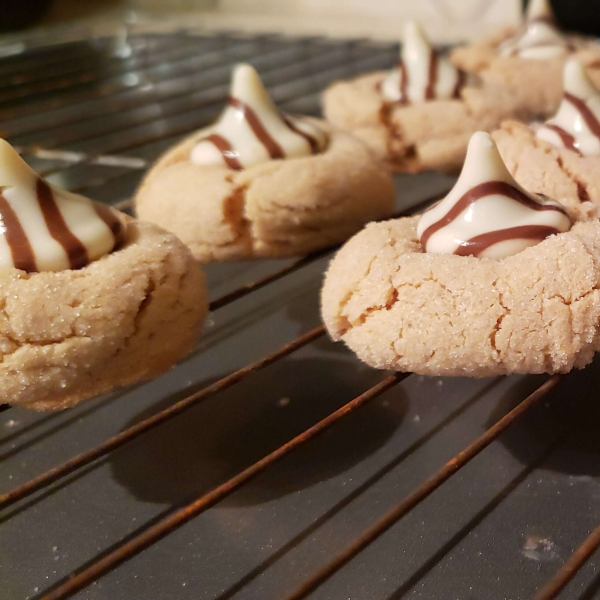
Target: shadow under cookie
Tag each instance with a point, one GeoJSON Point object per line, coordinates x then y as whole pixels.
{"type": "Point", "coordinates": [568, 417]}
{"type": "Point", "coordinates": [218, 439]}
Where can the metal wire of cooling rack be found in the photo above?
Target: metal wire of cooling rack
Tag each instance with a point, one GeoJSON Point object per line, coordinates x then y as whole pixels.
{"type": "Point", "coordinates": [53, 106]}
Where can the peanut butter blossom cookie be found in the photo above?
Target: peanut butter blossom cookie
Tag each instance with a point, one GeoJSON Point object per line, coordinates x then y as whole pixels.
{"type": "Point", "coordinates": [561, 157]}
{"type": "Point", "coordinates": [259, 183]}
{"type": "Point", "coordinates": [90, 299]}
{"type": "Point", "coordinates": [422, 113]}
{"type": "Point", "coordinates": [491, 280]}
{"type": "Point", "coordinates": [529, 61]}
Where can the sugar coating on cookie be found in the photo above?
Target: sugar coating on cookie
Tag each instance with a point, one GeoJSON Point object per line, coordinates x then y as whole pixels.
{"type": "Point", "coordinates": [322, 187]}
{"type": "Point", "coordinates": [399, 308]}
{"type": "Point", "coordinates": [69, 335]}
{"type": "Point", "coordinates": [576, 125]}
{"type": "Point", "coordinates": [47, 229]}
{"type": "Point", "coordinates": [252, 130]}
{"type": "Point", "coordinates": [89, 299]}
{"type": "Point", "coordinates": [529, 307]}
{"type": "Point", "coordinates": [487, 213]}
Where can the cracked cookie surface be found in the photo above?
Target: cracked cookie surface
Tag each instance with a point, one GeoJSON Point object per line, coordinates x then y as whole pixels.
{"type": "Point", "coordinates": [69, 335]}
{"type": "Point", "coordinates": [414, 137]}
{"type": "Point", "coordinates": [399, 308]}
{"type": "Point", "coordinates": [279, 208]}
{"type": "Point", "coordinates": [542, 168]}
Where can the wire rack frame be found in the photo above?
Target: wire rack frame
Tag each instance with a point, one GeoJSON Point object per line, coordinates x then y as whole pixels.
{"type": "Point", "coordinates": [69, 77]}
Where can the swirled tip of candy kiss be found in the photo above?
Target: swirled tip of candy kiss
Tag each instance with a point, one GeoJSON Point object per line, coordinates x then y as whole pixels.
{"type": "Point", "coordinates": [251, 129]}
{"type": "Point", "coordinates": [46, 229]}
{"type": "Point", "coordinates": [540, 10]}
{"type": "Point", "coordinates": [576, 125]}
{"type": "Point", "coordinates": [540, 38]}
{"type": "Point", "coordinates": [487, 213]}
{"type": "Point", "coordinates": [421, 74]}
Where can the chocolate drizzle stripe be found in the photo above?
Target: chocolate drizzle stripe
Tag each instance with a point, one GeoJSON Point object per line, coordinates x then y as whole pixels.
{"type": "Point", "coordinates": [20, 248]}
{"type": "Point", "coordinates": [478, 244]}
{"type": "Point", "coordinates": [461, 79]}
{"type": "Point", "coordinates": [403, 82]}
{"type": "Point", "coordinates": [432, 75]}
{"type": "Point", "coordinates": [588, 116]}
{"type": "Point", "coordinates": [58, 228]}
{"type": "Point", "coordinates": [112, 221]}
{"type": "Point", "coordinates": [226, 149]}
{"type": "Point", "coordinates": [477, 193]}
{"type": "Point", "coordinates": [314, 144]}
{"type": "Point", "coordinates": [547, 19]}
{"type": "Point", "coordinates": [272, 147]}
{"type": "Point", "coordinates": [566, 138]}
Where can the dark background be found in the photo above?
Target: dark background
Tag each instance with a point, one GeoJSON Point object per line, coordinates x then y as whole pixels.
{"type": "Point", "coordinates": [578, 15]}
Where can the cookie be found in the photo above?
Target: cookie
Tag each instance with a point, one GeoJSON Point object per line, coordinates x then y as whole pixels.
{"type": "Point", "coordinates": [480, 308]}
{"type": "Point", "coordinates": [422, 114]}
{"type": "Point", "coordinates": [529, 61]}
{"type": "Point", "coordinates": [262, 184]}
{"type": "Point", "coordinates": [89, 299]}
{"type": "Point", "coordinates": [560, 158]}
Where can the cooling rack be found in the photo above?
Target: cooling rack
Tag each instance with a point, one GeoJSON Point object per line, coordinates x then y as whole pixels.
{"type": "Point", "coordinates": [271, 463]}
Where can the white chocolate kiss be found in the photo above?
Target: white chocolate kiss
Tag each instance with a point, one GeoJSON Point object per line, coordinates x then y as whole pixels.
{"type": "Point", "coordinates": [415, 81]}
{"type": "Point", "coordinates": [46, 229]}
{"type": "Point", "coordinates": [539, 39]}
{"type": "Point", "coordinates": [251, 130]}
{"type": "Point", "coordinates": [576, 125]}
{"type": "Point", "coordinates": [510, 225]}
